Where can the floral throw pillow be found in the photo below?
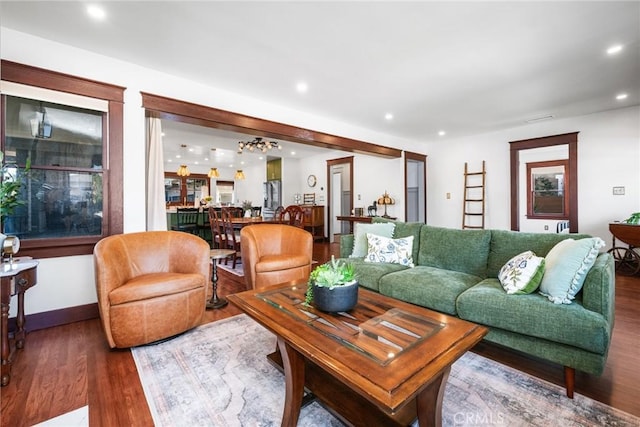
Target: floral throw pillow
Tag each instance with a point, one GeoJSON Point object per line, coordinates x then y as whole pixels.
{"type": "Point", "coordinates": [522, 274]}
{"type": "Point", "coordinates": [385, 249]}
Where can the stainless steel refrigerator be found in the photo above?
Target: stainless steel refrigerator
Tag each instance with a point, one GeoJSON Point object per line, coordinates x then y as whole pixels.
{"type": "Point", "coordinates": [272, 197]}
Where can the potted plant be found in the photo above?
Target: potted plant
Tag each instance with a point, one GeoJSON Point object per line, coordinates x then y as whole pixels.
{"type": "Point", "coordinates": [333, 286]}
{"type": "Point", "coordinates": [10, 184]}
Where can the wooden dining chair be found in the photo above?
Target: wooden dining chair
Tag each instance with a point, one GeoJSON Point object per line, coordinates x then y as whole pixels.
{"type": "Point", "coordinates": [231, 236]}
{"type": "Point", "coordinates": [217, 235]}
{"type": "Point", "coordinates": [278, 214]}
{"type": "Point", "coordinates": [295, 215]}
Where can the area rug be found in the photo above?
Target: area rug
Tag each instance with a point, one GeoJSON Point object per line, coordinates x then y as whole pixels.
{"type": "Point", "coordinates": [217, 375]}
{"type": "Point", "coordinates": [238, 271]}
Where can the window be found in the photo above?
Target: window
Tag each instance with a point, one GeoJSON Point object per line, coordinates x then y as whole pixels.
{"type": "Point", "coordinates": [62, 192]}
{"type": "Point", "coordinates": [547, 196]}
{"type": "Point", "coordinates": [71, 130]}
{"type": "Point", "coordinates": [185, 190]}
{"type": "Point", "coordinates": [224, 193]}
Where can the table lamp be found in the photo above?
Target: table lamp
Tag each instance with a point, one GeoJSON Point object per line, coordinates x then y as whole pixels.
{"type": "Point", "coordinates": [386, 200]}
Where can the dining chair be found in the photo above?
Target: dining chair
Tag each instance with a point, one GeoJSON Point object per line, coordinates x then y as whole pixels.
{"type": "Point", "coordinates": [231, 236]}
{"type": "Point", "coordinates": [186, 220]}
{"type": "Point", "coordinates": [295, 215]}
{"type": "Point", "coordinates": [217, 235]}
{"type": "Point", "coordinates": [278, 214]}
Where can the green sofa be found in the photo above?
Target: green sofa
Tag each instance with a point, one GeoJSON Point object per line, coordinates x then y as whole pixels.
{"type": "Point", "coordinates": [456, 272]}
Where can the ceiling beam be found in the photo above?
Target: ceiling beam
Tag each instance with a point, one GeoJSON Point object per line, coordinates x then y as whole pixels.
{"type": "Point", "coordinates": [200, 115]}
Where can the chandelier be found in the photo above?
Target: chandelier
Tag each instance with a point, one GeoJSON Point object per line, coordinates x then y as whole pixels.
{"type": "Point", "coordinates": [258, 144]}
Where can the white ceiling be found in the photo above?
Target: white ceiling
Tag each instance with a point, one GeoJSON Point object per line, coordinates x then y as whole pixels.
{"type": "Point", "coordinates": [461, 67]}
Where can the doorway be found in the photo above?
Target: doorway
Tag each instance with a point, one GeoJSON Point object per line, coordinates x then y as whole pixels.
{"type": "Point", "coordinates": [340, 194]}
{"type": "Point", "coordinates": [568, 139]}
{"type": "Point", "coordinates": [415, 179]}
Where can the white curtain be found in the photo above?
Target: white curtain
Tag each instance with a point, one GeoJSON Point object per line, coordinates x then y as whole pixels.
{"type": "Point", "coordinates": [156, 208]}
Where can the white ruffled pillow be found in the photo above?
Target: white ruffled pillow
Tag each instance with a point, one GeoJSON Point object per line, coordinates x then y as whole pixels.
{"type": "Point", "coordinates": [566, 267]}
{"type": "Point", "coordinates": [384, 249]}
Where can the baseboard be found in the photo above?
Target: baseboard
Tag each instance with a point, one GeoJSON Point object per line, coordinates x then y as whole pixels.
{"type": "Point", "coordinates": [49, 319]}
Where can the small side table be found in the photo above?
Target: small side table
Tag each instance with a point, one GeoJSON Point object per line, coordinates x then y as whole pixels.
{"type": "Point", "coordinates": [15, 278]}
{"type": "Point", "coordinates": [215, 255]}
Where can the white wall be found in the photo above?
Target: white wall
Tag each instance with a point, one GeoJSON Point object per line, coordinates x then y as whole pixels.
{"type": "Point", "coordinates": [608, 156]}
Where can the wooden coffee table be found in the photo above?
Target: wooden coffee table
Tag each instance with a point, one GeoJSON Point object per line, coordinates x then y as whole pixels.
{"type": "Point", "coordinates": [385, 362]}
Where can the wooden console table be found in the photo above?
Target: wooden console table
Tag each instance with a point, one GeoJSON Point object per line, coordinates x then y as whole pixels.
{"type": "Point", "coordinates": [313, 220]}
{"type": "Point", "coordinates": [354, 219]}
{"type": "Point", "coordinates": [16, 279]}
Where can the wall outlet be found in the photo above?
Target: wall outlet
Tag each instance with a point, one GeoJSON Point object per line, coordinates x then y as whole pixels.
{"type": "Point", "coordinates": [618, 191]}
{"type": "Point", "coordinates": [546, 228]}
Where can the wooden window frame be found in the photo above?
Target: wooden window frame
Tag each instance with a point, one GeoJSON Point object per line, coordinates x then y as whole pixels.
{"type": "Point", "coordinates": [566, 190]}
{"type": "Point", "coordinates": [183, 185]}
{"type": "Point", "coordinates": [112, 168]}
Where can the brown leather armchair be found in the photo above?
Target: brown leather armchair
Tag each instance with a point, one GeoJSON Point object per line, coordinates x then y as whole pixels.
{"type": "Point", "coordinates": [275, 253]}
{"type": "Point", "coordinates": [151, 285]}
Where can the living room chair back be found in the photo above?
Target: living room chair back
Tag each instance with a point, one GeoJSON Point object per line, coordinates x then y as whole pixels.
{"type": "Point", "coordinates": [275, 253]}
{"type": "Point", "coordinates": [151, 285]}
{"type": "Point", "coordinates": [187, 220]}
{"type": "Point", "coordinates": [217, 235]}
{"type": "Point", "coordinates": [295, 215]}
{"type": "Point", "coordinates": [231, 235]}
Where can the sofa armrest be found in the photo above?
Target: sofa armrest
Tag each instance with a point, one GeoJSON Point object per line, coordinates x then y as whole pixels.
{"type": "Point", "coordinates": [598, 291]}
{"type": "Point", "coordinates": [346, 245]}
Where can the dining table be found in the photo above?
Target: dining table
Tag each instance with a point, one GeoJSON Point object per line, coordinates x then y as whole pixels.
{"type": "Point", "coordinates": [244, 221]}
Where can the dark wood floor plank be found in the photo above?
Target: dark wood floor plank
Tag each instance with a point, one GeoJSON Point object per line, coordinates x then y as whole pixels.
{"type": "Point", "coordinates": [69, 366]}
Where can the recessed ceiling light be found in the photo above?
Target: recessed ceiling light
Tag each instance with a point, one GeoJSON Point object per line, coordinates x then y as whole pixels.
{"type": "Point", "coordinates": [614, 49]}
{"type": "Point", "coordinates": [442, 133]}
{"type": "Point", "coordinates": [302, 87]}
{"type": "Point", "coordinates": [621, 96]}
{"type": "Point", "coordinates": [388, 116]}
{"type": "Point", "coordinates": [96, 12]}
{"type": "Point", "coordinates": [293, 153]}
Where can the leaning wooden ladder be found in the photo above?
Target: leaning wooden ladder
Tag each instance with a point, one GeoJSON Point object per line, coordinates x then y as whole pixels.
{"type": "Point", "coordinates": [473, 198]}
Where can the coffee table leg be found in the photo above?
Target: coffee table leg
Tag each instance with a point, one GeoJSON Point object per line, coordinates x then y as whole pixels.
{"type": "Point", "coordinates": [429, 401]}
{"type": "Point", "coordinates": [293, 364]}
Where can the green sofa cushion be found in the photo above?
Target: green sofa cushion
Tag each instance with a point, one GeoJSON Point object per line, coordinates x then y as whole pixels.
{"type": "Point", "coordinates": [368, 274]}
{"type": "Point", "coordinates": [534, 315]}
{"type": "Point", "coordinates": [429, 287]}
{"type": "Point", "coordinates": [505, 244]}
{"type": "Point", "coordinates": [465, 251]}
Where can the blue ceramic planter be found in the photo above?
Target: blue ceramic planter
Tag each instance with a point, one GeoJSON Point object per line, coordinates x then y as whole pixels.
{"type": "Point", "coordinates": [339, 298]}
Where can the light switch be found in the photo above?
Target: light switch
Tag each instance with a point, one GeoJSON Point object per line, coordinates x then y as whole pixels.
{"type": "Point", "coordinates": [618, 191]}
{"type": "Point", "coordinates": [448, 195]}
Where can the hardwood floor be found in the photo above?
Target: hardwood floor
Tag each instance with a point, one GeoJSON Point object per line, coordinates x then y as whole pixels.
{"type": "Point", "coordinates": [70, 366]}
